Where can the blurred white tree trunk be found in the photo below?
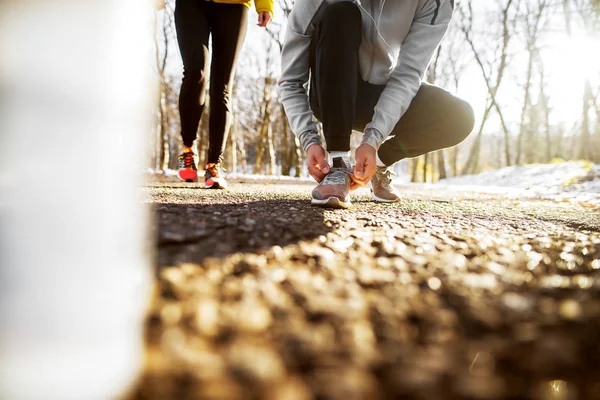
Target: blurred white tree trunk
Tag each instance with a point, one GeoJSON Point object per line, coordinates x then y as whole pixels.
{"type": "Point", "coordinates": [76, 101]}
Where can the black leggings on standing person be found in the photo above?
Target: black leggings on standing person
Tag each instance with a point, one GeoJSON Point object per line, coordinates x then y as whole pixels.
{"type": "Point", "coordinates": [195, 21]}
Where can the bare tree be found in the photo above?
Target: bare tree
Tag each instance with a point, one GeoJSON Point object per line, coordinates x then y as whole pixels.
{"type": "Point", "coordinates": [533, 20]}
{"type": "Point", "coordinates": [161, 57]}
{"type": "Point", "coordinates": [265, 149]}
{"type": "Point", "coordinates": [492, 84]}
{"type": "Point", "coordinates": [292, 150]}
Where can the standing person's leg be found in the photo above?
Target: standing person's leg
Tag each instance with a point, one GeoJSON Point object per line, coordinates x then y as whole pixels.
{"type": "Point", "coordinates": [435, 119]}
{"type": "Point", "coordinates": [193, 30]}
{"type": "Point", "coordinates": [228, 33]}
{"type": "Point", "coordinates": [334, 72]}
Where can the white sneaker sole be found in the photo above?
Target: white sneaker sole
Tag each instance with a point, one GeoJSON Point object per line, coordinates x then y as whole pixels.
{"type": "Point", "coordinates": [217, 184]}
{"type": "Point", "coordinates": [380, 200]}
{"type": "Point", "coordinates": [332, 202]}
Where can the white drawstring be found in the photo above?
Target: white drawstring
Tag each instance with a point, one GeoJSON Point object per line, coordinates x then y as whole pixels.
{"type": "Point", "coordinates": [376, 22]}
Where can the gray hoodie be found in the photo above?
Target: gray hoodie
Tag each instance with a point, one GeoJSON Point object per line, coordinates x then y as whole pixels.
{"type": "Point", "coordinates": [395, 52]}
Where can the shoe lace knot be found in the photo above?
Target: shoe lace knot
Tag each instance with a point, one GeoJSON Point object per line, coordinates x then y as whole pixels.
{"type": "Point", "coordinates": [187, 159]}
{"type": "Point", "coordinates": [386, 176]}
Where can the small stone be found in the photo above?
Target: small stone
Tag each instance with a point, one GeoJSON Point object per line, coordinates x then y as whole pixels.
{"type": "Point", "coordinates": [170, 314]}
{"type": "Point", "coordinates": [278, 275]}
{"type": "Point", "coordinates": [254, 318]}
{"type": "Point", "coordinates": [172, 275]}
{"type": "Point", "coordinates": [554, 390]}
{"type": "Point", "coordinates": [255, 363]}
{"type": "Point", "coordinates": [483, 364]}
{"type": "Point", "coordinates": [570, 309]}
{"type": "Point", "coordinates": [496, 268]}
{"type": "Point", "coordinates": [207, 317]}
{"type": "Point", "coordinates": [434, 283]}
{"type": "Point", "coordinates": [477, 387]}
{"type": "Point", "coordinates": [517, 302]}
{"type": "Point", "coordinates": [221, 389]}
{"type": "Point", "coordinates": [291, 389]}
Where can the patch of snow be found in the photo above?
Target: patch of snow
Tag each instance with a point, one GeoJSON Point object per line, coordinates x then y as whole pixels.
{"type": "Point", "coordinates": [527, 176]}
{"type": "Point", "coordinates": [566, 181]}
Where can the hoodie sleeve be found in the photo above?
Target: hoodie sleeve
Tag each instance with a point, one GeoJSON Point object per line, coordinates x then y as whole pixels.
{"type": "Point", "coordinates": [425, 34]}
{"type": "Point", "coordinates": [295, 67]}
{"type": "Point", "coordinates": [264, 5]}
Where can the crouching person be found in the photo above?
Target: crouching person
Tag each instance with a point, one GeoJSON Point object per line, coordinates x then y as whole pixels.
{"type": "Point", "coordinates": [365, 62]}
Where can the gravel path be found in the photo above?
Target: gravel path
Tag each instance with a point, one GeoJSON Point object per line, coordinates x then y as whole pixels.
{"type": "Point", "coordinates": [446, 295]}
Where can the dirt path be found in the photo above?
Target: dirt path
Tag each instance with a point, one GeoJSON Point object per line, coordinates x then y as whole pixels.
{"type": "Point", "coordinates": [446, 295]}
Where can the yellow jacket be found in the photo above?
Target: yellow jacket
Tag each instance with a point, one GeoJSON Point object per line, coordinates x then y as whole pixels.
{"type": "Point", "coordinates": [261, 5]}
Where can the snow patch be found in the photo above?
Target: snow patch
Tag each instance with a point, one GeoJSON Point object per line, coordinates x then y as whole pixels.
{"type": "Point", "coordinates": [574, 180]}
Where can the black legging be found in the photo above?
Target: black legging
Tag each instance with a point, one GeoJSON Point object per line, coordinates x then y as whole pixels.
{"type": "Point", "coordinates": [195, 21]}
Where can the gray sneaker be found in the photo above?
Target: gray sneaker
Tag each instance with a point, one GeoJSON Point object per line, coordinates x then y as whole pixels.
{"type": "Point", "coordinates": [382, 189]}
{"type": "Point", "coordinates": [334, 190]}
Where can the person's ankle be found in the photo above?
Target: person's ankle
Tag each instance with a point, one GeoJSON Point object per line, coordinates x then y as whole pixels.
{"type": "Point", "coordinates": [345, 155]}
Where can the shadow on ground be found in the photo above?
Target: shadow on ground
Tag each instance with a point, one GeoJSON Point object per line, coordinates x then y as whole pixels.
{"type": "Point", "coordinates": [193, 232]}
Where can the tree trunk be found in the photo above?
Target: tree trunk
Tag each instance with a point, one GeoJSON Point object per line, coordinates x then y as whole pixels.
{"type": "Point", "coordinates": [546, 111]}
{"type": "Point", "coordinates": [585, 142]}
{"type": "Point", "coordinates": [413, 167]}
{"type": "Point", "coordinates": [260, 151]}
{"type": "Point", "coordinates": [271, 149]}
{"type": "Point", "coordinates": [289, 155]}
{"type": "Point", "coordinates": [472, 163]}
{"type": "Point", "coordinates": [425, 161]}
{"type": "Point", "coordinates": [526, 96]}
{"type": "Point", "coordinates": [233, 147]}
{"type": "Point", "coordinates": [298, 157]}
{"type": "Point", "coordinates": [532, 28]}
{"type": "Point", "coordinates": [162, 142]}
{"type": "Point", "coordinates": [492, 88]}
{"type": "Point", "coordinates": [287, 151]}
{"type": "Point", "coordinates": [441, 165]}
{"type": "Point", "coordinates": [202, 142]}
{"type": "Point", "coordinates": [161, 145]}
{"type": "Point", "coordinates": [455, 161]}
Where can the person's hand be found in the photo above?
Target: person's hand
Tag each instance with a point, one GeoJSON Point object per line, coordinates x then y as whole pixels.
{"type": "Point", "coordinates": [159, 4]}
{"type": "Point", "coordinates": [264, 17]}
{"type": "Point", "coordinates": [366, 166]}
{"type": "Point", "coordinates": [317, 163]}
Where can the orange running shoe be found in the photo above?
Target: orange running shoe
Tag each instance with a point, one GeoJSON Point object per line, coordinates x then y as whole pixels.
{"type": "Point", "coordinates": [187, 166]}
{"type": "Point", "coordinates": [213, 178]}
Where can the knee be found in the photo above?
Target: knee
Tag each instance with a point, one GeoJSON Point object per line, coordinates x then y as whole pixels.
{"type": "Point", "coordinates": [220, 95]}
{"type": "Point", "coordinates": [464, 121]}
{"type": "Point", "coordinates": [341, 17]}
{"type": "Point", "coordinates": [194, 75]}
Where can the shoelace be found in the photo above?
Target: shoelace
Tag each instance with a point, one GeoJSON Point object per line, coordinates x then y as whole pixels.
{"type": "Point", "coordinates": [387, 176]}
{"type": "Point", "coordinates": [337, 176]}
{"type": "Point", "coordinates": [188, 160]}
